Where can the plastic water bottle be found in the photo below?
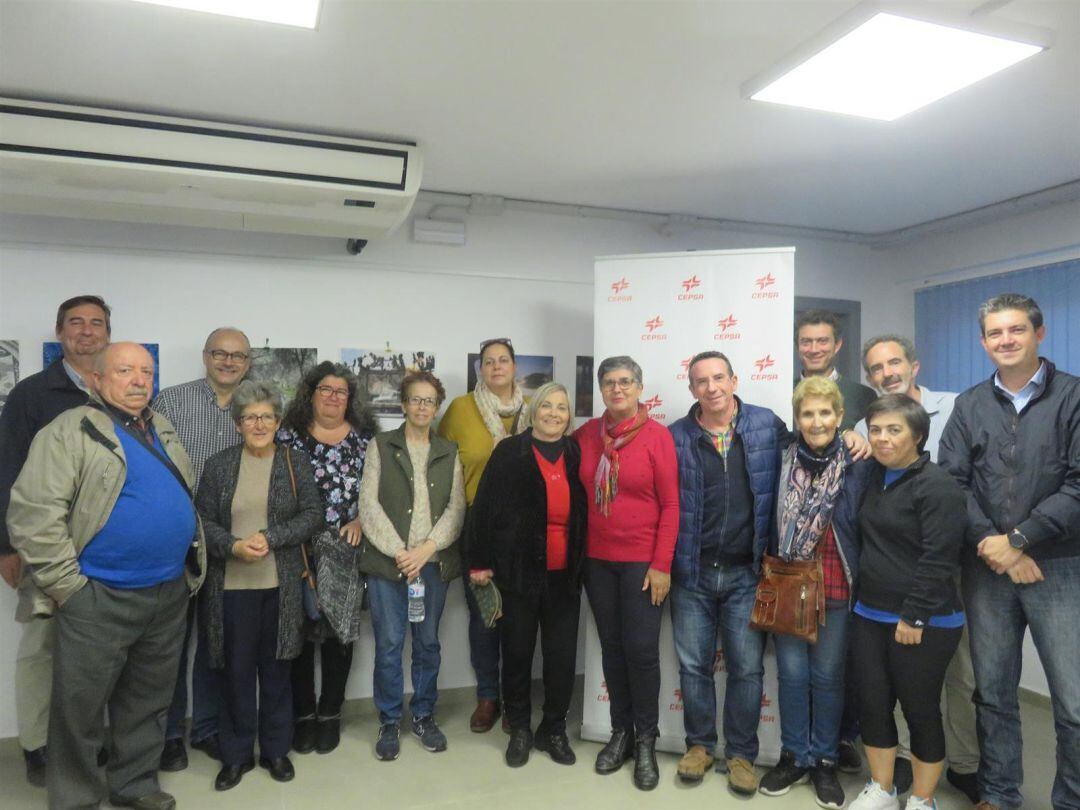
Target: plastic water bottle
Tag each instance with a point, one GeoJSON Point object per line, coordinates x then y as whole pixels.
{"type": "Point", "coordinates": [416, 600]}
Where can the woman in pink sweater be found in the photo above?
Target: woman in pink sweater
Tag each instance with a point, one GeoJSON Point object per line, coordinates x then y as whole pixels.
{"type": "Point", "coordinates": [628, 466]}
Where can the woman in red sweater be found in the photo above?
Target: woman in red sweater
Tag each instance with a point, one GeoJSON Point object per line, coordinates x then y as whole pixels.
{"type": "Point", "coordinates": [526, 529]}
{"type": "Point", "coordinates": [628, 466]}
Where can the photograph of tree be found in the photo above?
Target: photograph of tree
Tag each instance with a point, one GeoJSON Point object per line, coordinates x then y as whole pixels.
{"type": "Point", "coordinates": [533, 370]}
{"type": "Point", "coordinates": [380, 373]}
{"type": "Point", "coordinates": [284, 367]}
{"type": "Point", "coordinates": [9, 369]}
{"type": "Point", "coordinates": [51, 351]}
{"type": "Point", "coordinates": [583, 386]}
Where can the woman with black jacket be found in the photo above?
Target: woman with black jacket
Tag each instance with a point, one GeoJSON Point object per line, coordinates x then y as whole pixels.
{"type": "Point", "coordinates": [526, 530]}
{"type": "Point", "coordinates": [908, 617]}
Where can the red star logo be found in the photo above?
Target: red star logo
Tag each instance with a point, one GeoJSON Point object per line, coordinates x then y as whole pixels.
{"type": "Point", "coordinates": [654, 324]}
{"type": "Point", "coordinates": [765, 362]}
{"type": "Point", "coordinates": [766, 280]}
{"type": "Point", "coordinates": [690, 283]}
{"type": "Point", "coordinates": [620, 285]}
{"type": "Point", "coordinates": [655, 402]}
{"type": "Point", "coordinates": [727, 323]}
{"type": "Point", "coordinates": [686, 363]}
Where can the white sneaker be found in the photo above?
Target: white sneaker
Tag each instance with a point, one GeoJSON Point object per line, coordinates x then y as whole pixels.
{"type": "Point", "coordinates": [915, 803]}
{"type": "Point", "coordinates": [874, 797]}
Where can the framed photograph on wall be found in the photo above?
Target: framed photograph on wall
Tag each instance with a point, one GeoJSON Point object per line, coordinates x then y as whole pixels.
{"type": "Point", "coordinates": [9, 369]}
{"type": "Point", "coordinates": [283, 366]}
{"type": "Point", "coordinates": [381, 371]}
{"type": "Point", "coordinates": [583, 386]}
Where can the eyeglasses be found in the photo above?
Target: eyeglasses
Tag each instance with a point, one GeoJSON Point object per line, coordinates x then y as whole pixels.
{"type": "Point", "coordinates": [251, 419]}
{"type": "Point", "coordinates": [417, 402]}
{"type": "Point", "coordinates": [623, 384]}
{"type": "Point", "coordinates": [220, 354]}
{"type": "Point", "coordinates": [329, 393]}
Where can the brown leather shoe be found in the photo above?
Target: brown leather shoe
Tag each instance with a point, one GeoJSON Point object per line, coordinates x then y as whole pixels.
{"type": "Point", "coordinates": [741, 777]}
{"type": "Point", "coordinates": [695, 764]}
{"type": "Point", "coordinates": [484, 716]}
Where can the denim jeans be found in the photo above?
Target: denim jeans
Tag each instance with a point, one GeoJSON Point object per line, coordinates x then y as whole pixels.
{"type": "Point", "coordinates": [721, 601]}
{"type": "Point", "coordinates": [998, 612]}
{"type": "Point", "coordinates": [389, 602]}
{"type": "Point", "coordinates": [206, 687]}
{"type": "Point", "coordinates": [811, 680]}
{"type": "Point", "coordinates": [483, 649]}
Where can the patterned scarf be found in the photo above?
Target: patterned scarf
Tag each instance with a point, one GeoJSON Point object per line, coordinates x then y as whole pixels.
{"type": "Point", "coordinates": [491, 409]}
{"type": "Point", "coordinates": [607, 471]}
{"type": "Point", "coordinates": [813, 486]}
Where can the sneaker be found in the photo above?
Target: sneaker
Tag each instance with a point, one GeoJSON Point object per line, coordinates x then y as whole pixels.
{"type": "Point", "coordinates": [782, 776]}
{"type": "Point", "coordinates": [849, 760]}
{"type": "Point", "coordinates": [902, 775]}
{"type": "Point", "coordinates": [874, 797]}
{"type": "Point", "coordinates": [429, 733]}
{"type": "Point", "coordinates": [741, 777]}
{"type": "Point", "coordinates": [916, 803]}
{"type": "Point", "coordinates": [388, 746]}
{"type": "Point", "coordinates": [827, 790]}
{"type": "Point", "coordinates": [694, 764]}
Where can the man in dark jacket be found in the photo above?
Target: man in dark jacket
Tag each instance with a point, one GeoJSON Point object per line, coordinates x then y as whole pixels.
{"type": "Point", "coordinates": [82, 327]}
{"type": "Point", "coordinates": [818, 340]}
{"type": "Point", "coordinates": [729, 459]}
{"type": "Point", "coordinates": [1013, 443]}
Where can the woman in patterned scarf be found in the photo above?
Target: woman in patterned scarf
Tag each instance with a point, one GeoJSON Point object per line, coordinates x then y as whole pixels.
{"type": "Point", "coordinates": [820, 488]}
{"type": "Point", "coordinates": [628, 465]}
{"type": "Point", "coordinates": [478, 421]}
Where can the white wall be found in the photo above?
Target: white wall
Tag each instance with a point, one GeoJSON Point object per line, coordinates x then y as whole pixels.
{"type": "Point", "coordinates": [524, 275]}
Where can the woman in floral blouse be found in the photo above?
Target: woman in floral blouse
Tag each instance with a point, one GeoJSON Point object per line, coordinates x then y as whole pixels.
{"type": "Point", "coordinates": [329, 422]}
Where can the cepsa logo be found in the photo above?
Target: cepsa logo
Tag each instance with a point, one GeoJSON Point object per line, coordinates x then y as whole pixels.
{"type": "Point", "coordinates": [688, 294]}
{"type": "Point", "coordinates": [617, 289]}
{"type": "Point", "coordinates": [763, 364]}
{"type": "Point", "coordinates": [676, 704]}
{"type": "Point", "coordinates": [718, 662]}
{"type": "Point", "coordinates": [727, 329]}
{"type": "Point", "coordinates": [685, 364]}
{"type": "Point", "coordinates": [763, 283]}
{"type": "Point", "coordinates": [652, 325]}
{"type": "Point", "coordinates": [602, 695]}
{"type": "Point", "coordinates": [653, 406]}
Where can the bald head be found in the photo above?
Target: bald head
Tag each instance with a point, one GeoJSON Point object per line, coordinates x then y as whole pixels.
{"type": "Point", "coordinates": [227, 357]}
{"type": "Point", "coordinates": [124, 376]}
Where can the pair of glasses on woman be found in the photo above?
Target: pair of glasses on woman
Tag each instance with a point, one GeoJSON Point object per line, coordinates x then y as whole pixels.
{"type": "Point", "coordinates": [327, 392]}
{"type": "Point", "coordinates": [417, 402]}
{"type": "Point", "coordinates": [251, 419]}
{"type": "Point", "coordinates": [623, 384]}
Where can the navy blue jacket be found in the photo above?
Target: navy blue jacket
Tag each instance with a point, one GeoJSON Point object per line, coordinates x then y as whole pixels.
{"type": "Point", "coordinates": [763, 437]}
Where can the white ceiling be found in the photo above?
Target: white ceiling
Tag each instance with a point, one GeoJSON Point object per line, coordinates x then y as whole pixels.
{"type": "Point", "coordinates": [629, 105]}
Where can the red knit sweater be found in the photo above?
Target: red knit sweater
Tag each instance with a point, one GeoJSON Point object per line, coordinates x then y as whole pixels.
{"type": "Point", "coordinates": [644, 520]}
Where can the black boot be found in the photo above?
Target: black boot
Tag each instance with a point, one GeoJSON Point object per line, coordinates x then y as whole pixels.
{"type": "Point", "coordinates": [36, 761]}
{"type": "Point", "coordinates": [327, 734]}
{"type": "Point", "coordinates": [646, 771]}
{"type": "Point", "coordinates": [304, 734]}
{"type": "Point", "coordinates": [517, 750]}
{"type": "Point", "coordinates": [618, 749]}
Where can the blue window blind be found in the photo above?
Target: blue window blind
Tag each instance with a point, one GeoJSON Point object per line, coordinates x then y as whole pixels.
{"type": "Point", "coordinates": [947, 325]}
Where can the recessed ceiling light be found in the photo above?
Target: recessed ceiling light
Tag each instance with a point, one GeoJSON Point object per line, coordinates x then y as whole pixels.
{"type": "Point", "coordinates": [888, 66]}
{"type": "Point", "coordinates": [301, 13]}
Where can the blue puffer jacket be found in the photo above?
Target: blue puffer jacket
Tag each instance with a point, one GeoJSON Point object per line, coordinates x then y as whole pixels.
{"type": "Point", "coordinates": [764, 437]}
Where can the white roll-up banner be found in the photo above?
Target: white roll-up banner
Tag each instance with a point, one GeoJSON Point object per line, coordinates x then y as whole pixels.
{"type": "Point", "coordinates": [662, 309]}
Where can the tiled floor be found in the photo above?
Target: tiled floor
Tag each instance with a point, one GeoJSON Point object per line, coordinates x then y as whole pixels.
{"type": "Point", "coordinates": [471, 775]}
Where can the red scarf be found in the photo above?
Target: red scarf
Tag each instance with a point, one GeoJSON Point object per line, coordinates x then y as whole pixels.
{"type": "Point", "coordinates": [607, 470]}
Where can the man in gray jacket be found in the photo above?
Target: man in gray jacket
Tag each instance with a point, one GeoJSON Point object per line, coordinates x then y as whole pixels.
{"type": "Point", "coordinates": [102, 518]}
{"type": "Point", "coordinates": [1013, 443]}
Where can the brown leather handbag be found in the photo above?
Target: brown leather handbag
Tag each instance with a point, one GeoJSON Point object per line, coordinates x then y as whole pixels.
{"type": "Point", "coordinates": [790, 598]}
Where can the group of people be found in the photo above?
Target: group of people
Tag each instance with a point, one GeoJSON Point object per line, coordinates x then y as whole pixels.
{"type": "Point", "coordinates": [942, 527]}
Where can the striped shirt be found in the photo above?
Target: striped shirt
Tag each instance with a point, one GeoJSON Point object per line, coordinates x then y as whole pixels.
{"type": "Point", "coordinates": [203, 428]}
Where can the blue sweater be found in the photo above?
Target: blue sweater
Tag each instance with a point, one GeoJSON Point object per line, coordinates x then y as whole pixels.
{"type": "Point", "coordinates": [148, 533]}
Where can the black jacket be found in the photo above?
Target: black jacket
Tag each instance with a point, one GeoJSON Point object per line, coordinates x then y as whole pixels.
{"type": "Point", "coordinates": [507, 524]}
{"type": "Point", "coordinates": [911, 536]}
{"type": "Point", "coordinates": [1020, 471]}
{"type": "Point", "coordinates": [31, 405]}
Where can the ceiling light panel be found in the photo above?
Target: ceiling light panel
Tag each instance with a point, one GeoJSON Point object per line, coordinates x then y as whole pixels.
{"type": "Point", "coordinates": [299, 13]}
{"type": "Point", "coordinates": [891, 65]}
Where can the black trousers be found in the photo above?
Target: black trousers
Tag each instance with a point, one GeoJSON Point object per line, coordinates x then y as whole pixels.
{"type": "Point", "coordinates": [555, 612]}
{"type": "Point", "coordinates": [336, 664]}
{"type": "Point", "coordinates": [628, 625]}
{"type": "Point", "coordinates": [251, 633]}
{"type": "Point", "coordinates": [119, 650]}
{"type": "Point", "coordinates": [913, 673]}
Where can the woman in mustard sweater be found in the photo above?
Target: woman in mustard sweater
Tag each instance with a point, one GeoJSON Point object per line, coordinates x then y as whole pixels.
{"type": "Point", "coordinates": [477, 421]}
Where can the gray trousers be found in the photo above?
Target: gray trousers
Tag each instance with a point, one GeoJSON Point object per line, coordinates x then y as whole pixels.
{"type": "Point", "coordinates": [33, 681]}
{"type": "Point", "coordinates": [117, 650]}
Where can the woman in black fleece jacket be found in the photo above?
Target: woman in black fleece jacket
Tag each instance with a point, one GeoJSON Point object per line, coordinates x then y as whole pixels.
{"type": "Point", "coordinates": [908, 617]}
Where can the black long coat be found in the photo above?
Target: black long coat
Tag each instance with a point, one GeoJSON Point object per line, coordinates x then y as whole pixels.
{"type": "Point", "coordinates": [506, 528]}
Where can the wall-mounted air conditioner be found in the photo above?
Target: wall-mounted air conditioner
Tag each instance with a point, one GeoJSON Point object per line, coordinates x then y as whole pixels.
{"type": "Point", "coordinates": [61, 160]}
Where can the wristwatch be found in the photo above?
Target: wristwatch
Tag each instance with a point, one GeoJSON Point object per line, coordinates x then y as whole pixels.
{"type": "Point", "coordinates": [1017, 540]}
